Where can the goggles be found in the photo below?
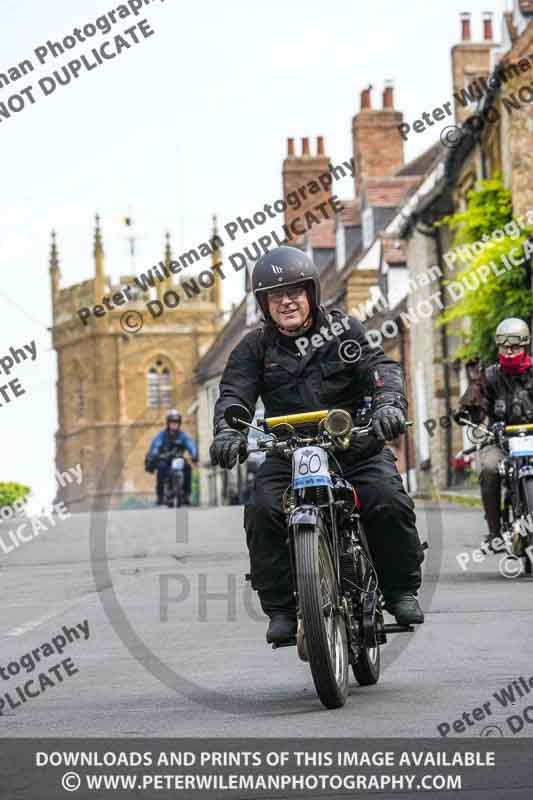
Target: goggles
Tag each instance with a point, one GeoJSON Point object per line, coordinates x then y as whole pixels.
{"type": "Point", "coordinates": [508, 340]}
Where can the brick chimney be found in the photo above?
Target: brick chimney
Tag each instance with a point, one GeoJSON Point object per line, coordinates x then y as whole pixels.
{"type": "Point", "coordinates": [377, 144]}
{"type": "Point", "coordinates": [466, 31]}
{"type": "Point", "coordinates": [298, 172]}
{"type": "Point", "coordinates": [471, 61]}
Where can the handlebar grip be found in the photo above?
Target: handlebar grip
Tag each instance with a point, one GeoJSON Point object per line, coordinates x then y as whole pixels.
{"type": "Point", "coordinates": [516, 428]}
{"type": "Point", "coordinates": [296, 419]}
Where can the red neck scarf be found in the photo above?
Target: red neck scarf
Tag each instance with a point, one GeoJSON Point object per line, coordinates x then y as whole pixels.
{"type": "Point", "coordinates": [514, 365]}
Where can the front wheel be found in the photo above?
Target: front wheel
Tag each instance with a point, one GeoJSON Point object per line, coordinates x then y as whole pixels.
{"type": "Point", "coordinates": [323, 622]}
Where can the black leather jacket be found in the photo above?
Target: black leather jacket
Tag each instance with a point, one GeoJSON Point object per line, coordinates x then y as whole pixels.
{"type": "Point", "coordinates": [500, 397]}
{"type": "Point", "coordinates": [267, 364]}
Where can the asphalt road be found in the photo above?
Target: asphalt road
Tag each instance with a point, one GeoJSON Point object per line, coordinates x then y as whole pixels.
{"type": "Point", "coordinates": [176, 643]}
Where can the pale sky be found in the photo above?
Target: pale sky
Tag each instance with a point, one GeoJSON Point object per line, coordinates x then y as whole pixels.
{"type": "Point", "coordinates": [189, 122]}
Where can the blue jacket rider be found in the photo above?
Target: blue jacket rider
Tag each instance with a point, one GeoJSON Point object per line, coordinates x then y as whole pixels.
{"type": "Point", "coordinates": [170, 437]}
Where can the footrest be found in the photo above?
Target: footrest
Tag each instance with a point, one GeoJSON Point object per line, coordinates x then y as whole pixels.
{"type": "Point", "coordinates": [288, 643]}
{"type": "Point", "coordinates": [395, 628]}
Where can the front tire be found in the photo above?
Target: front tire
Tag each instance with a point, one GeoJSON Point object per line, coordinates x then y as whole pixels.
{"type": "Point", "coordinates": [324, 625]}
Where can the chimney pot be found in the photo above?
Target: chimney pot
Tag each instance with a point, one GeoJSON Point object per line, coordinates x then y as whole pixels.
{"type": "Point", "coordinates": [305, 146]}
{"type": "Point", "coordinates": [366, 99]}
{"type": "Point", "coordinates": [487, 26]}
{"type": "Point", "coordinates": [388, 95]}
{"type": "Point", "coordinates": [466, 33]}
{"type": "Point", "coordinates": [290, 147]}
{"type": "Point", "coordinates": [320, 145]}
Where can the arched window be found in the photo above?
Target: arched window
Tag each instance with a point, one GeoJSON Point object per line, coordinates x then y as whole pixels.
{"type": "Point", "coordinates": [153, 388]}
{"type": "Point", "coordinates": [165, 388]}
{"type": "Point", "coordinates": [159, 382]}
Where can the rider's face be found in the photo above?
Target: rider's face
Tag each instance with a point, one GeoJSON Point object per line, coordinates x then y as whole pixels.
{"type": "Point", "coordinates": [173, 426]}
{"type": "Point", "coordinates": [511, 349]}
{"type": "Point", "coordinates": [289, 307]}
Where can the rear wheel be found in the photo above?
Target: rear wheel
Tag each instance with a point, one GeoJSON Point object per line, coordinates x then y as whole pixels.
{"type": "Point", "coordinates": [324, 625]}
{"type": "Point", "coordinates": [527, 485]}
{"type": "Point", "coordinates": [366, 665]}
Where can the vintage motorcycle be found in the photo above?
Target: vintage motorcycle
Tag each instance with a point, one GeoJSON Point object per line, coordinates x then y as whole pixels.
{"type": "Point", "coordinates": [338, 600]}
{"type": "Point", "coordinates": [174, 494]}
{"type": "Point", "coordinates": [516, 471]}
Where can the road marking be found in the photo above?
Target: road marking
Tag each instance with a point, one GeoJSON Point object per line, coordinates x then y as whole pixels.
{"type": "Point", "coordinates": [29, 626]}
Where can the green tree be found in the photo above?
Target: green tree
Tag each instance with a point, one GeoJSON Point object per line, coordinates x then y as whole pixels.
{"type": "Point", "coordinates": [10, 492]}
{"type": "Point", "coordinates": [486, 303]}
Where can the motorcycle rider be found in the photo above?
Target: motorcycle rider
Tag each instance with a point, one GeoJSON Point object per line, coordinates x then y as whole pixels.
{"type": "Point", "coordinates": [166, 440]}
{"type": "Point", "coordinates": [503, 392]}
{"type": "Point", "coordinates": [269, 362]}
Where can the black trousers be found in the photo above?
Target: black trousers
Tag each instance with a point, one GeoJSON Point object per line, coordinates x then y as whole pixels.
{"type": "Point", "coordinates": [386, 512]}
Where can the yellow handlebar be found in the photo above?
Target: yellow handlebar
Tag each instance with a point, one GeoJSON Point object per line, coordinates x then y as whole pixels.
{"type": "Point", "coordinates": [516, 428]}
{"type": "Point", "coordinates": [296, 419]}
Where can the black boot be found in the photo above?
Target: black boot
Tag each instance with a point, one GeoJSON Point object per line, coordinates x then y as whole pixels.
{"type": "Point", "coordinates": [404, 606]}
{"type": "Point", "coordinates": [282, 627]}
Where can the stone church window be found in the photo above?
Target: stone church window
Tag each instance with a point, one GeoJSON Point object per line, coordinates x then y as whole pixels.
{"type": "Point", "coordinates": [159, 387]}
{"type": "Point", "coordinates": [166, 388]}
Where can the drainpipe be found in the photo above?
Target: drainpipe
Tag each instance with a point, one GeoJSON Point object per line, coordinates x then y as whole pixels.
{"type": "Point", "coordinates": [445, 354]}
{"type": "Point", "coordinates": [435, 234]}
{"type": "Point", "coordinates": [406, 445]}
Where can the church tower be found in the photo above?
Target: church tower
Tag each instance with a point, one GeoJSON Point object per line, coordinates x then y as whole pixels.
{"type": "Point", "coordinates": [115, 383]}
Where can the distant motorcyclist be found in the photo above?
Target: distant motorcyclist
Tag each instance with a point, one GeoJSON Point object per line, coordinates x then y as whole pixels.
{"type": "Point", "coordinates": [165, 442]}
{"type": "Point", "coordinates": [291, 376]}
{"type": "Point", "coordinates": [503, 393]}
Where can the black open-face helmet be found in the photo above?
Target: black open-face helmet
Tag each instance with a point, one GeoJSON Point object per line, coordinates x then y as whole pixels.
{"type": "Point", "coordinates": [284, 266]}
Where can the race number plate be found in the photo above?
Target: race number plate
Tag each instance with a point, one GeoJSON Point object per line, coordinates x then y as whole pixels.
{"type": "Point", "coordinates": [177, 463]}
{"type": "Point", "coordinates": [310, 468]}
{"type": "Point", "coordinates": [521, 445]}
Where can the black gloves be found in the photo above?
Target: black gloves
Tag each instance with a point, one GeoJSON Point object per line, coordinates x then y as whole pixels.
{"type": "Point", "coordinates": [460, 415]}
{"type": "Point", "coordinates": [226, 446]}
{"type": "Point", "coordinates": [388, 422]}
{"type": "Point", "coordinates": [149, 464]}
